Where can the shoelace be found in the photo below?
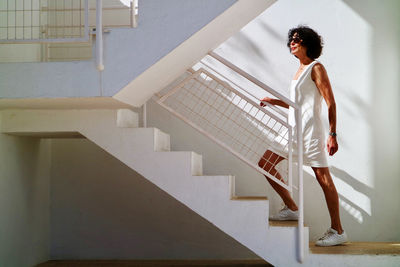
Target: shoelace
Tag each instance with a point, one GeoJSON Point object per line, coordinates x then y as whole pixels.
{"type": "Point", "coordinates": [284, 208]}
{"type": "Point", "coordinates": [326, 235]}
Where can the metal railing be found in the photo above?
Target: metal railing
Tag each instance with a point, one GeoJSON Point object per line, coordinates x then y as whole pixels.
{"type": "Point", "coordinates": [63, 28]}
{"type": "Point", "coordinates": [44, 21]}
{"type": "Point", "coordinates": [232, 117]}
{"type": "Point", "coordinates": [47, 21]}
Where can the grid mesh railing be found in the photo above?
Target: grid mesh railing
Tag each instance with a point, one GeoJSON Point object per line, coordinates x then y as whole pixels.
{"type": "Point", "coordinates": [24, 21]}
{"type": "Point", "coordinates": [43, 20]}
{"type": "Point", "coordinates": [233, 120]}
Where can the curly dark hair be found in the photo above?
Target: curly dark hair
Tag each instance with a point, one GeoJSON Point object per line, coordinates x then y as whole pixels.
{"type": "Point", "coordinates": [309, 39]}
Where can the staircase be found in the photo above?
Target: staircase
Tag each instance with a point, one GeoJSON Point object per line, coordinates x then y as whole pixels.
{"type": "Point", "coordinates": [179, 173]}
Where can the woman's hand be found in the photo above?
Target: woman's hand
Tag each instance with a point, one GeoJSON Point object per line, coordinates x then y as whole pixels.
{"type": "Point", "coordinates": [332, 145]}
{"type": "Point", "coordinates": [266, 99]}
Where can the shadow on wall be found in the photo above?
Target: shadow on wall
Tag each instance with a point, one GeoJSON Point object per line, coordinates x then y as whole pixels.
{"type": "Point", "coordinates": [257, 58]}
{"type": "Point", "coordinates": [355, 198]}
{"type": "Point", "coordinates": [384, 26]}
{"type": "Point", "coordinates": [24, 205]}
{"type": "Point", "coordinates": [103, 209]}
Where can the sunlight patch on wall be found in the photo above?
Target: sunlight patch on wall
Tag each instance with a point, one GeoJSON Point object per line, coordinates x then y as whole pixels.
{"type": "Point", "coordinates": [351, 210]}
{"type": "Point", "coordinates": [357, 198]}
{"type": "Point", "coordinates": [352, 82]}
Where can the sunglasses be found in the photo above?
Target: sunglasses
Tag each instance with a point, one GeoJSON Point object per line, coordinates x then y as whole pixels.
{"type": "Point", "coordinates": [295, 40]}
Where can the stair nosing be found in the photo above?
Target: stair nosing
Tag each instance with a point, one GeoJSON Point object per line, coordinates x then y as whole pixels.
{"type": "Point", "coordinates": [255, 198]}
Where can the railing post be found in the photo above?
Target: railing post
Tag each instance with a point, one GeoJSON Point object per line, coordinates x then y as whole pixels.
{"type": "Point", "coordinates": [145, 115]}
{"type": "Point", "coordinates": [300, 170]}
{"type": "Point", "coordinates": [134, 6]}
{"type": "Point", "coordinates": [99, 35]}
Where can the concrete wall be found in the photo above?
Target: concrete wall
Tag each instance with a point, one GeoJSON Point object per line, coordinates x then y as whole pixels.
{"type": "Point", "coordinates": [24, 201]}
{"type": "Point", "coordinates": [163, 25]}
{"type": "Point", "coordinates": [361, 56]}
{"type": "Point", "coordinates": [102, 209]}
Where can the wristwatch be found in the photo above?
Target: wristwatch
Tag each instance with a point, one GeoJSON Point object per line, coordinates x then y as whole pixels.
{"type": "Point", "coordinates": [332, 134]}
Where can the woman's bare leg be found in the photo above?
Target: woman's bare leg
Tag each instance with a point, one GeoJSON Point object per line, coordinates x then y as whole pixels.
{"type": "Point", "coordinates": [268, 163]}
{"type": "Point", "coordinates": [331, 196]}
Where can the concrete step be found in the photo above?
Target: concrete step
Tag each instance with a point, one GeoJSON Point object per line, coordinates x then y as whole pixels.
{"type": "Point", "coordinates": [284, 223]}
{"type": "Point", "coordinates": [250, 198]}
{"type": "Point", "coordinates": [155, 263]}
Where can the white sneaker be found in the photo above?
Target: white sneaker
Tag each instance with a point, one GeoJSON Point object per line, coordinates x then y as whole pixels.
{"type": "Point", "coordinates": [331, 238]}
{"type": "Point", "coordinates": [285, 214]}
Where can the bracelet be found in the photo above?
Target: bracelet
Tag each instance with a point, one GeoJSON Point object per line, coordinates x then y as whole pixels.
{"type": "Point", "coordinates": [332, 134]}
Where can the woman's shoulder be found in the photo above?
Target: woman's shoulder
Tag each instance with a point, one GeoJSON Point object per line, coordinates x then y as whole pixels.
{"type": "Point", "coordinates": [318, 71]}
{"type": "Point", "coordinates": [318, 67]}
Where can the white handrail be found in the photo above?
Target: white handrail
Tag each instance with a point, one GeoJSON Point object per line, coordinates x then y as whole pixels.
{"type": "Point", "coordinates": [253, 79]}
{"type": "Point", "coordinates": [271, 106]}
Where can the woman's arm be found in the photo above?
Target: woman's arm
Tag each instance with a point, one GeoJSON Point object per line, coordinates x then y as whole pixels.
{"type": "Point", "coordinates": [272, 101]}
{"type": "Point", "coordinates": [320, 77]}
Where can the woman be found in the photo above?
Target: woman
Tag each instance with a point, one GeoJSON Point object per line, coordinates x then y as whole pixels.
{"type": "Point", "coordinates": [309, 86]}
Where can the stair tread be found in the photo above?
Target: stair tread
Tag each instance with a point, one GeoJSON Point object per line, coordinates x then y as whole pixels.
{"type": "Point", "coordinates": [154, 263]}
{"type": "Point", "coordinates": [249, 198]}
{"type": "Point", "coordinates": [359, 248]}
{"type": "Point", "coordinates": [284, 223]}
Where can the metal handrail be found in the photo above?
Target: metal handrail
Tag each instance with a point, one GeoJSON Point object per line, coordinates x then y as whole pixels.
{"type": "Point", "coordinates": [253, 79]}
{"type": "Point", "coordinates": [237, 85]}
{"type": "Point", "coordinates": [33, 24]}
{"type": "Point", "coordinates": [198, 90]}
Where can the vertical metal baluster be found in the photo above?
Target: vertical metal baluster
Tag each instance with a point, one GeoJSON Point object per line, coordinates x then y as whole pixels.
{"type": "Point", "coordinates": [86, 30]}
{"type": "Point", "coordinates": [32, 19]}
{"type": "Point", "coordinates": [7, 20]}
{"type": "Point", "coordinates": [64, 19]}
{"type": "Point", "coordinates": [15, 20]}
{"type": "Point", "coordinates": [80, 18]}
{"type": "Point", "coordinates": [70, 23]}
{"type": "Point", "coordinates": [23, 19]}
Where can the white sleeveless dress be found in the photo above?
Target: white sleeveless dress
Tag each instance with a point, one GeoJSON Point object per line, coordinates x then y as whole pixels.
{"type": "Point", "coordinates": [305, 93]}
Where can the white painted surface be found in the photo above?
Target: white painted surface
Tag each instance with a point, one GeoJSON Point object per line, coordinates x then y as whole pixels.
{"type": "Point", "coordinates": [178, 173]}
{"type": "Point", "coordinates": [166, 70]}
{"type": "Point", "coordinates": [127, 53]}
{"type": "Point", "coordinates": [102, 209]}
{"type": "Point", "coordinates": [62, 103]}
{"type": "Point", "coordinates": [24, 201]}
{"type": "Point", "coordinates": [364, 75]}
{"type": "Point", "coordinates": [127, 118]}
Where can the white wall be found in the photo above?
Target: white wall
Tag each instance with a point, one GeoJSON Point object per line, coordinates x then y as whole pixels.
{"type": "Point", "coordinates": [163, 25]}
{"type": "Point", "coordinates": [361, 57]}
{"type": "Point", "coordinates": [24, 201]}
{"type": "Point", "coordinates": [102, 209]}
